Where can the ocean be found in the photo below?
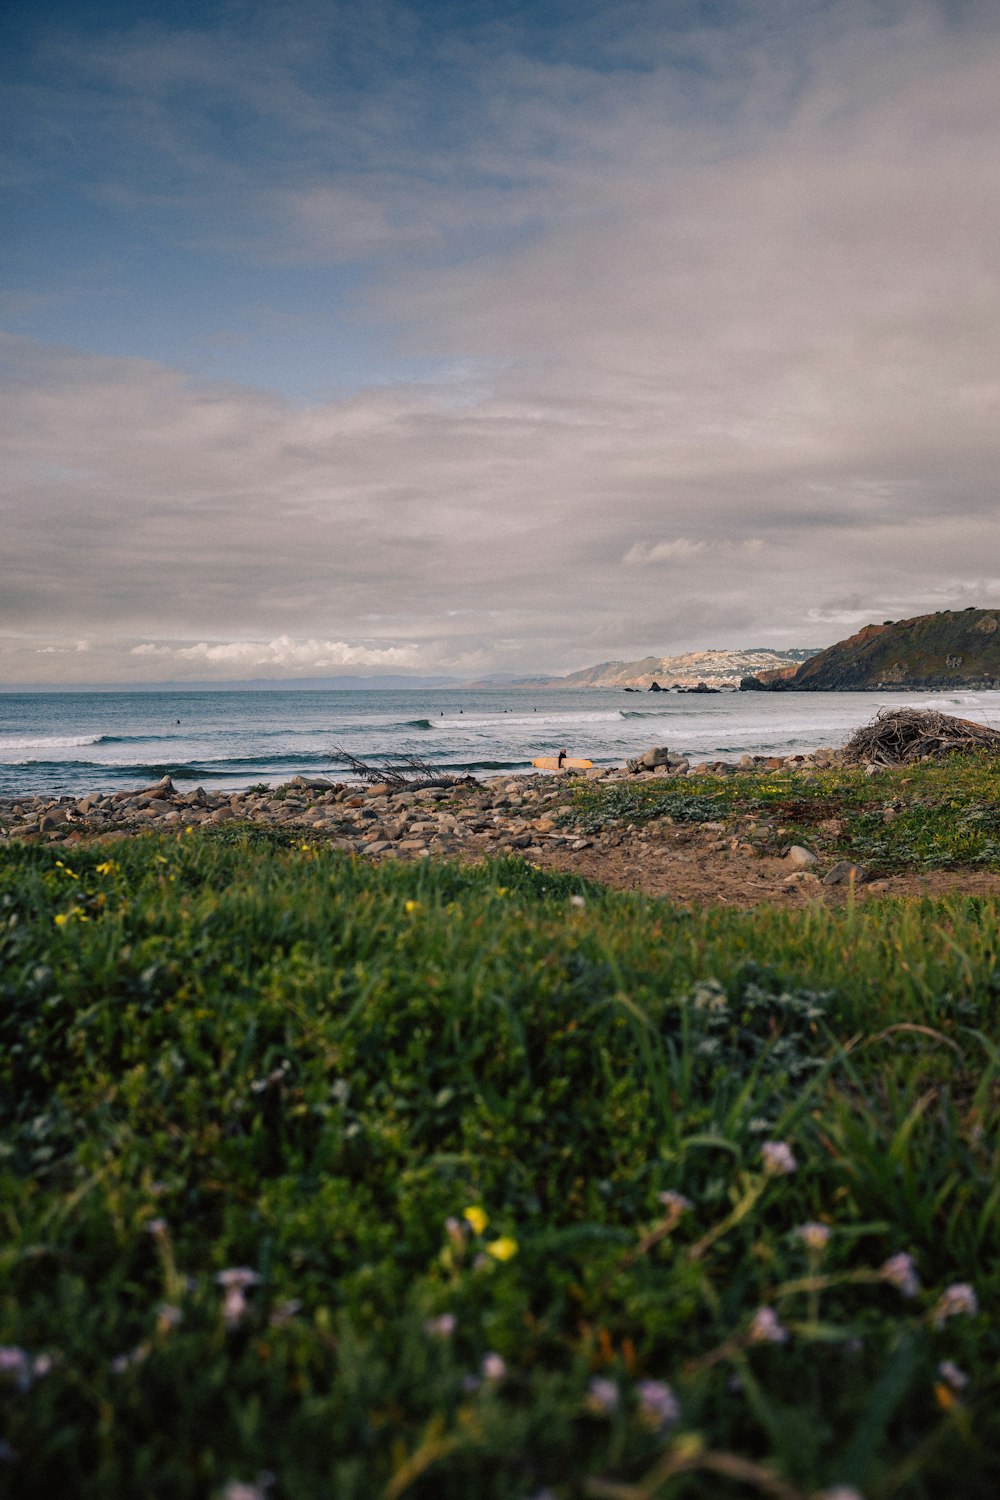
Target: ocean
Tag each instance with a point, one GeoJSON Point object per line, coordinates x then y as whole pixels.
{"type": "Point", "coordinates": [71, 743]}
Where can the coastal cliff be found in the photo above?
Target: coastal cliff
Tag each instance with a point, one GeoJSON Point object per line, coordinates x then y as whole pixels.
{"type": "Point", "coordinates": [950, 649]}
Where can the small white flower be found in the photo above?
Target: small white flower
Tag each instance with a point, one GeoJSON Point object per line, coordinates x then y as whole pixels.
{"type": "Point", "coordinates": [813, 1236]}
{"type": "Point", "coordinates": [234, 1306]}
{"type": "Point", "coordinates": [766, 1329]}
{"type": "Point", "coordinates": [578, 901]}
{"type": "Point", "coordinates": [901, 1273]}
{"type": "Point", "coordinates": [167, 1316]}
{"type": "Point", "coordinates": [778, 1158]}
{"type": "Point", "coordinates": [675, 1203]}
{"type": "Point", "coordinates": [955, 1299]}
{"type": "Point", "coordinates": [123, 1362]}
{"type": "Point", "coordinates": [157, 1228]}
{"type": "Point", "coordinates": [952, 1375]}
{"type": "Point", "coordinates": [41, 1365]}
{"type": "Point", "coordinates": [603, 1397]}
{"type": "Point", "coordinates": [238, 1276]}
{"type": "Point", "coordinates": [494, 1366]}
{"type": "Point", "coordinates": [441, 1327]}
{"type": "Point", "coordinates": [238, 1489]}
{"type": "Point", "coordinates": [658, 1406]}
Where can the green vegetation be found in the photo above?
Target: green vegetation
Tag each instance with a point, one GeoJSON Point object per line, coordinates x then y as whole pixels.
{"type": "Point", "coordinates": [438, 1182]}
{"type": "Point", "coordinates": [952, 648]}
{"type": "Point", "coordinates": [938, 815]}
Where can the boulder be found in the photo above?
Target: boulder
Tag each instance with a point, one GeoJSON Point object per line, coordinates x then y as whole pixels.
{"type": "Point", "coordinates": [800, 858]}
{"type": "Point", "coordinates": [845, 872]}
{"type": "Point", "coordinates": [658, 755]}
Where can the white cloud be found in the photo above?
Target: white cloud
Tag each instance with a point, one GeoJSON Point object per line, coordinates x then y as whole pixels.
{"type": "Point", "coordinates": [282, 652]}
{"type": "Point", "coordinates": [641, 554]}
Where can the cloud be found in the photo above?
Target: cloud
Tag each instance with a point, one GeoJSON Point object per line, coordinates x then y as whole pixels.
{"type": "Point", "coordinates": [715, 304]}
{"type": "Point", "coordinates": [283, 652]}
{"type": "Point", "coordinates": [641, 554]}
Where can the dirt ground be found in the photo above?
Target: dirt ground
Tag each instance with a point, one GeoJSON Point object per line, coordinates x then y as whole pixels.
{"type": "Point", "coordinates": [695, 873]}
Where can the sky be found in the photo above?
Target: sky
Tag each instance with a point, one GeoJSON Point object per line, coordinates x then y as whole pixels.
{"type": "Point", "coordinates": [363, 336]}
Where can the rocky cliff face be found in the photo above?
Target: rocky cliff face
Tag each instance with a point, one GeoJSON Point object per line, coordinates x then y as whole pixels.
{"type": "Point", "coordinates": [951, 649]}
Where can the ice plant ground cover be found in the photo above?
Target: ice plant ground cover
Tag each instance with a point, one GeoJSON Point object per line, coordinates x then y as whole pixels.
{"type": "Point", "coordinates": [322, 1180]}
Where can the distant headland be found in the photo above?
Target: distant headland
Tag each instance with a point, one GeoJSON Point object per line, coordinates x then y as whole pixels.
{"type": "Point", "coordinates": [948, 650]}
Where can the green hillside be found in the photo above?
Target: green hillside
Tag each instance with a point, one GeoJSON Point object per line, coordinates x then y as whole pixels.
{"type": "Point", "coordinates": [951, 649]}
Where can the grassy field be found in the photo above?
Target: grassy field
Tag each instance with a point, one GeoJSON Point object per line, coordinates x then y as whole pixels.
{"type": "Point", "coordinates": [942, 815]}
{"type": "Point", "coordinates": [328, 1182]}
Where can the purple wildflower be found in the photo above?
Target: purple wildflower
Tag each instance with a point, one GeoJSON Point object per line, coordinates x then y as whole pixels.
{"type": "Point", "coordinates": [901, 1273]}
{"type": "Point", "coordinates": [778, 1158]}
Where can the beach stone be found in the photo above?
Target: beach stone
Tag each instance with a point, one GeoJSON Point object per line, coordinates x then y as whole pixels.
{"type": "Point", "coordinates": [844, 872]}
{"type": "Point", "coordinates": [800, 858]}
{"type": "Point", "coordinates": [659, 755]}
{"type": "Point", "coordinates": [164, 786]}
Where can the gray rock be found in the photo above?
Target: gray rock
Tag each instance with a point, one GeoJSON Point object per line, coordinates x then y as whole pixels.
{"type": "Point", "coordinates": [164, 787]}
{"type": "Point", "coordinates": [800, 858]}
{"type": "Point", "coordinates": [844, 872]}
{"type": "Point", "coordinates": [659, 755]}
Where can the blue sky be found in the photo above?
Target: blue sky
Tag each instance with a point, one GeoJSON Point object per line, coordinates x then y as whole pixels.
{"type": "Point", "coordinates": [491, 336]}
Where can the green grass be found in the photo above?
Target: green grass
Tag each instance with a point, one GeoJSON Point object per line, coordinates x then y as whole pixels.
{"type": "Point", "coordinates": [942, 815]}
{"type": "Point", "coordinates": [215, 1055]}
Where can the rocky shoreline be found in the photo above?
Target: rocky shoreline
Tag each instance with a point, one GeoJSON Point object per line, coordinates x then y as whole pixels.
{"type": "Point", "coordinates": [743, 858]}
{"type": "Point", "coordinates": [518, 812]}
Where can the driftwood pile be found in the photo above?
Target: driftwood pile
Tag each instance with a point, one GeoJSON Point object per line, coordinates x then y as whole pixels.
{"type": "Point", "coordinates": [406, 773]}
{"type": "Point", "coordinates": [898, 735]}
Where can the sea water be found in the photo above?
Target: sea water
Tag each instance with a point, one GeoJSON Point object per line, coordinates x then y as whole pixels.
{"type": "Point", "coordinates": [58, 743]}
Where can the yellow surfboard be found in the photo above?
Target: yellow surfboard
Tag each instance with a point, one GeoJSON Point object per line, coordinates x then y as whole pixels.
{"type": "Point", "coordinates": [570, 763]}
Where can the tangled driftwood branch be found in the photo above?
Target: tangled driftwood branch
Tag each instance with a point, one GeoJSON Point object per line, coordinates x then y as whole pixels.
{"type": "Point", "coordinates": [408, 771]}
{"type": "Point", "coordinates": [898, 735]}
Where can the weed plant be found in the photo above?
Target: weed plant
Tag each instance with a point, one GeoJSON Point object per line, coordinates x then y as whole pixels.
{"type": "Point", "coordinates": [322, 1180]}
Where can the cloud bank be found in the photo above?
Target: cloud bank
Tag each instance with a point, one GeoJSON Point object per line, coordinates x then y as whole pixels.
{"type": "Point", "coordinates": [705, 317]}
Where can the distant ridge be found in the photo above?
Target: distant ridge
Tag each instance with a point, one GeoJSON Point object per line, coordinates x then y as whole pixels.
{"type": "Point", "coordinates": [948, 650]}
{"type": "Point", "coordinates": [716, 669]}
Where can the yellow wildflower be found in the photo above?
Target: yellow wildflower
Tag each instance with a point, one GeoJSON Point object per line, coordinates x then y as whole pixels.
{"type": "Point", "coordinates": [502, 1249]}
{"type": "Point", "coordinates": [108, 867]}
{"type": "Point", "coordinates": [410, 907]}
{"type": "Point", "coordinates": [477, 1217]}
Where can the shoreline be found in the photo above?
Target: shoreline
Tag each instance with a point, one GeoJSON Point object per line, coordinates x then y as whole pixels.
{"type": "Point", "coordinates": [320, 805]}
{"type": "Point", "coordinates": [738, 856]}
